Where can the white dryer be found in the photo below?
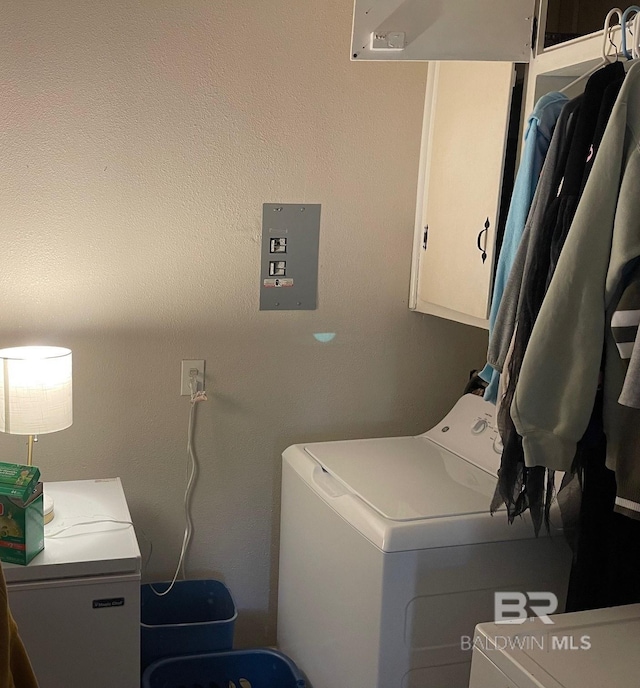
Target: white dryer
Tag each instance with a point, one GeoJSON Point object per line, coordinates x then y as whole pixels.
{"type": "Point", "coordinates": [592, 649]}
{"type": "Point", "coordinates": [389, 556]}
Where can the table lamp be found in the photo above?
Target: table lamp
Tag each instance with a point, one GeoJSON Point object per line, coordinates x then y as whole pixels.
{"type": "Point", "coordinates": [35, 396]}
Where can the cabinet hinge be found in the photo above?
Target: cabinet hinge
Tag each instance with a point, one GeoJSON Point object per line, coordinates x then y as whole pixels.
{"type": "Point", "coordinates": [425, 236]}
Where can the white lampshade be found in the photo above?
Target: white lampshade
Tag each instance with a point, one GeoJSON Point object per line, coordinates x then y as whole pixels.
{"type": "Point", "coordinates": [35, 390]}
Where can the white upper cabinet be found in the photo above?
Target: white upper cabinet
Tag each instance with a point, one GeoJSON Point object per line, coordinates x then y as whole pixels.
{"type": "Point", "coordinates": [500, 30]}
{"type": "Point", "coordinates": [462, 166]}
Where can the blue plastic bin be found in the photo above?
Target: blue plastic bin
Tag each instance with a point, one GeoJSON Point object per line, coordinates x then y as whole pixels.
{"type": "Point", "coordinates": [197, 616]}
{"type": "Point", "coordinates": [233, 669]}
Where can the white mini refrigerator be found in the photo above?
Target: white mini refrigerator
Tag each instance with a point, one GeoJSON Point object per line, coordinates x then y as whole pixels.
{"type": "Point", "coordinates": [77, 604]}
{"type": "Point", "coordinates": [389, 556]}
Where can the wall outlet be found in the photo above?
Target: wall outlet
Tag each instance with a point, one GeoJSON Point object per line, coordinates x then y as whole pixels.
{"type": "Point", "coordinates": [185, 376]}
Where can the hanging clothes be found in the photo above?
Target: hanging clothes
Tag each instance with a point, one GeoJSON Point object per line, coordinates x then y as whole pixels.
{"type": "Point", "coordinates": [523, 487]}
{"type": "Point", "coordinates": [624, 326]}
{"type": "Point", "coordinates": [512, 489]}
{"type": "Point", "coordinates": [587, 589]}
{"type": "Point", "coordinates": [540, 128]}
{"type": "Point", "coordinates": [547, 187]}
{"type": "Point", "coordinates": [561, 369]}
{"type": "Point", "coordinates": [606, 559]}
{"type": "Point", "coordinates": [512, 474]}
{"type": "Point", "coordinates": [590, 129]}
{"type": "Point", "coordinates": [622, 420]}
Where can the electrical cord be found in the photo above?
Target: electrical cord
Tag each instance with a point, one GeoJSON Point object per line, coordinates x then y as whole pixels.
{"type": "Point", "coordinates": [59, 531]}
{"type": "Point", "coordinates": [84, 523]}
{"type": "Point", "coordinates": [192, 472]}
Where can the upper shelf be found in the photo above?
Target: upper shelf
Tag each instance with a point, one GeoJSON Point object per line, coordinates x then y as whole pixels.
{"type": "Point", "coordinates": [468, 30]}
{"type": "Point", "coordinates": [443, 30]}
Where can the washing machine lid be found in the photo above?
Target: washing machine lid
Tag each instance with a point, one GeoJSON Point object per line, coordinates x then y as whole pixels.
{"type": "Point", "coordinates": [407, 478]}
{"type": "Point", "coordinates": [450, 470]}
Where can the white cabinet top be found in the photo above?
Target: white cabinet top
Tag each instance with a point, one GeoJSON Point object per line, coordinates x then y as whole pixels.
{"type": "Point", "coordinates": [83, 539]}
{"type": "Point", "coordinates": [437, 30]}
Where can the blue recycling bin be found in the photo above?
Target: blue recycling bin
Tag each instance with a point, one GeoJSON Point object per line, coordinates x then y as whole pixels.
{"type": "Point", "coordinates": [260, 668]}
{"type": "Point", "coordinates": [196, 616]}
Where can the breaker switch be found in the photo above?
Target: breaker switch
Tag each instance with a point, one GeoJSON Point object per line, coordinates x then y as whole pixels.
{"type": "Point", "coordinates": [277, 268]}
{"type": "Point", "coordinates": [278, 245]}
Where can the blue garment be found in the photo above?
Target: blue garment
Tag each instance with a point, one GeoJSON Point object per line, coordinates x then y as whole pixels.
{"type": "Point", "coordinates": [536, 143]}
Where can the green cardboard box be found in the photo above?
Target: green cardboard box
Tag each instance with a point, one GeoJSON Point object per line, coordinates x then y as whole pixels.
{"type": "Point", "coordinates": [21, 527]}
{"type": "Point", "coordinates": [18, 480]}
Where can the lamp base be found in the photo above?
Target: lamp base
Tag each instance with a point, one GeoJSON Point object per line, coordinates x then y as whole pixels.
{"type": "Point", "coordinates": [47, 508]}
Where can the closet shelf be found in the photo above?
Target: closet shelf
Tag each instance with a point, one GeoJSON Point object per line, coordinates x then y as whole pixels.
{"type": "Point", "coordinates": [570, 58]}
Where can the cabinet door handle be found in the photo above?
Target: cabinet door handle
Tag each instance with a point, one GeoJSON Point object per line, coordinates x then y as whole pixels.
{"type": "Point", "coordinates": [425, 236]}
{"type": "Point", "coordinates": [483, 248]}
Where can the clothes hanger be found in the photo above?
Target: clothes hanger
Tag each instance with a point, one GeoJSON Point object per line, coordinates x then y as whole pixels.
{"type": "Point", "coordinates": [634, 9]}
{"type": "Point", "coordinates": [607, 43]}
{"type": "Point", "coordinates": [635, 48]}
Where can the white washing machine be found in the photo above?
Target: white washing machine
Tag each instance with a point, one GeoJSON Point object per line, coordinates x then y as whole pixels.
{"type": "Point", "coordinates": [592, 649]}
{"type": "Point", "coordinates": [389, 556]}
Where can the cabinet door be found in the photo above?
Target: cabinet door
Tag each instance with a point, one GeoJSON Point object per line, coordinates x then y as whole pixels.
{"type": "Point", "coordinates": [81, 631]}
{"type": "Point", "coordinates": [466, 140]}
{"type": "Point", "coordinates": [438, 30]}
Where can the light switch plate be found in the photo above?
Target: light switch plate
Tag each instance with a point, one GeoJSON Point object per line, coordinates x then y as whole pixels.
{"type": "Point", "coordinates": [289, 263]}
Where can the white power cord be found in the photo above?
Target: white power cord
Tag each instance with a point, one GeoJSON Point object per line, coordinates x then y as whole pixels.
{"type": "Point", "coordinates": [192, 471]}
{"type": "Point", "coordinates": [56, 533]}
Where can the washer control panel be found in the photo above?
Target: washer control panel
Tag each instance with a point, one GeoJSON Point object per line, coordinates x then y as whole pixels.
{"type": "Point", "coordinates": [469, 430]}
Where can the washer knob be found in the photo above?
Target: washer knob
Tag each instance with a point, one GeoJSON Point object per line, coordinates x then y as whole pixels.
{"type": "Point", "coordinates": [479, 426]}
